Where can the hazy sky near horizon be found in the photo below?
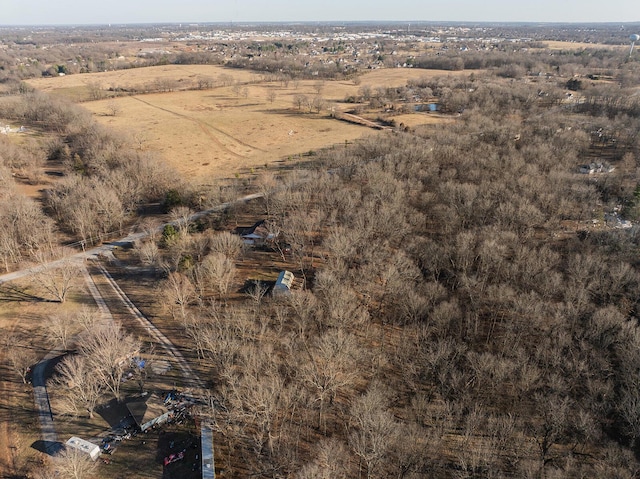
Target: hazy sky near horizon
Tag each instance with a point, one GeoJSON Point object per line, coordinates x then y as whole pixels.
{"type": "Point", "coordinates": [48, 12]}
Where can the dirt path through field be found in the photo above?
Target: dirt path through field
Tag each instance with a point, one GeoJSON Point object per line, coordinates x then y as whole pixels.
{"type": "Point", "coordinates": [206, 128]}
{"type": "Point", "coordinates": [154, 332]}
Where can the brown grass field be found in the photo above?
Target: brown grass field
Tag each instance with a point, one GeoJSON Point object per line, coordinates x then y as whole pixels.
{"type": "Point", "coordinates": [221, 132]}
{"type": "Point", "coordinates": [561, 45]}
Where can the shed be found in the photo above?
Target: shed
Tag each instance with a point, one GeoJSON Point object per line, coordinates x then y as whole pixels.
{"type": "Point", "coordinates": [148, 411]}
{"type": "Point", "coordinates": [283, 283]}
{"type": "Point", "coordinates": [93, 450]}
{"type": "Point", "coordinates": [206, 442]}
{"type": "Point", "coordinates": [256, 235]}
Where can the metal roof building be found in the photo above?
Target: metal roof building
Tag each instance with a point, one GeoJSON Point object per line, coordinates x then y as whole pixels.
{"type": "Point", "coordinates": [208, 464]}
{"type": "Point", "coordinates": [283, 283]}
{"type": "Point", "coordinates": [89, 448]}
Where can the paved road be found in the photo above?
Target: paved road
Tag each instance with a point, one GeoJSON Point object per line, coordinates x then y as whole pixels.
{"type": "Point", "coordinates": [50, 444]}
{"type": "Point", "coordinates": [109, 247]}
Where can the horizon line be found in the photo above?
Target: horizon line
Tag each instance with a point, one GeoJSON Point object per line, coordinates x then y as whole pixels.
{"type": "Point", "coordinates": [322, 22]}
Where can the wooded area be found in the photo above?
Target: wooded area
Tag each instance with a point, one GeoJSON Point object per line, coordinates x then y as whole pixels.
{"type": "Point", "coordinates": [461, 315]}
{"type": "Point", "coordinates": [466, 301]}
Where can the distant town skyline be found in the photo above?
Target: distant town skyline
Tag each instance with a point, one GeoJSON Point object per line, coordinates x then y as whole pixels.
{"type": "Point", "coordinates": [72, 12]}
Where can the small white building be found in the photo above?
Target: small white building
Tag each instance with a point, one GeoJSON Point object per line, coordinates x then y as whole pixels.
{"type": "Point", "coordinates": [593, 168]}
{"type": "Point", "coordinates": [93, 450]}
{"type": "Point", "coordinates": [283, 283]}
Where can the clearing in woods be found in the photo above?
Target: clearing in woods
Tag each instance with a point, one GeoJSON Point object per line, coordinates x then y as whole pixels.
{"type": "Point", "coordinates": [231, 128]}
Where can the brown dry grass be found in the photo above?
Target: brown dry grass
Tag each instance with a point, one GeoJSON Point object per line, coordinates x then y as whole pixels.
{"type": "Point", "coordinates": [210, 134]}
{"type": "Point", "coordinates": [76, 87]}
{"type": "Point", "coordinates": [563, 45]}
{"type": "Point", "coordinates": [215, 134]}
{"type": "Point", "coordinates": [19, 427]}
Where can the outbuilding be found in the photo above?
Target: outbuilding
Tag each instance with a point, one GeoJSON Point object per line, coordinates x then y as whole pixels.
{"type": "Point", "coordinates": [148, 411]}
{"type": "Point", "coordinates": [284, 283]}
{"type": "Point", "coordinates": [89, 448]}
{"type": "Point", "coordinates": [208, 463]}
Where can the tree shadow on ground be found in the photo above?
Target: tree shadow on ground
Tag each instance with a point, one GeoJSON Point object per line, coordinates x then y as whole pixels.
{"type": "Point", "coordinates": [13, 293]}
{"type": "Point", "coordinates": [116, 413]}
{"type": "Point", "coordinates": [48, 447]}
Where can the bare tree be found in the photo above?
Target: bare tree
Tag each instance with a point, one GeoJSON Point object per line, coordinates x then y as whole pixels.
{"type": "Point", "coordinates": [113, 108]}
{"type": "Point", "coordinates": [74, 464]}
{"type": "Point", "coordinates": [256, 292]}
{"type": "Point", "coordinates": [374, 429]}
{"type": "Point", "coordinates": [180, 216]}
{"type": "Point", "coordinates": [56, 276]}
{"type": "Point", "coordinates": [148, 252]}
{"type": "Point", "coordinates": [87, 318]}
{"type": "Point", "coordinates": [237, 88]}
{"type": "Point", "coordinates": [328, 368]}
{"type": "Point", "coordinates": [9, 248]}
{"type": "Point", "coordinates": [411, 448]}
{"type": "Point", "coordinates": [108, 350]}
{"type": "Point", "coordinates": [20, 359]}
{"type": "Point", "coordinates": [179, 291]}
{"type": "Point", "coordinates": [204, 82]}
{"type": "Point", "coordinates": [95, 91]}
{"type": "Point", "coordinates": [227, 244]}
{"type": "Point", "coordinates": [300, 100]}
{"type": "Point", "coordinates": [78, 385]}
{"type": "Point", "coordinates": [317, 104]}
{"type": "Point", "coordinates": [225, 79]}
{"type": "Point", "coordinates": [60, 328]}
{"type": "Point", "coordinates": [266, 183]}
{"type": "Point", "coordinates": [218, 270]}
{"type": "Point", "coordinates": [331, 461]}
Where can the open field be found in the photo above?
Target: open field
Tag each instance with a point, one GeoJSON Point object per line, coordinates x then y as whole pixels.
{"type": "Point", "coordinates": [227, 130]}
{"type": "Point", "coordinates": [564, 45]}
{"type": "Point", "coordinates": [214, 134]}
{"type": "Point", "coordinates": [78, 87]}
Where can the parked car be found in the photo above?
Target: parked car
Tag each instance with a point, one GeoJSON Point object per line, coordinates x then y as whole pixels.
{"type": "Point", "coordinates": [171, 458]}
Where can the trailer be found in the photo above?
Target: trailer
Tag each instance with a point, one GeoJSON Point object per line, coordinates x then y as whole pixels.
{"type": "Point", "coordinates": [89, 448]}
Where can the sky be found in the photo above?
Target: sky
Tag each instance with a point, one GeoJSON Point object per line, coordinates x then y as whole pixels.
{"type": "Point", "coordinates": [65, 12]}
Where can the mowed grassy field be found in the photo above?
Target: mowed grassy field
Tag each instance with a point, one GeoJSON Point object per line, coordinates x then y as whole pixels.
{"type": "Point", "coordinates": [228, 129]}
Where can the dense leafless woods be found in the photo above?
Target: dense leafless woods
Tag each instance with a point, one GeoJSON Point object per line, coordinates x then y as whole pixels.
{"type": "Point", "coordinates": [466, 301]}
{"type": "Point", "coordinates": [466, 310]}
